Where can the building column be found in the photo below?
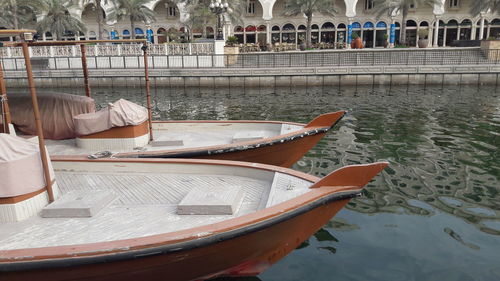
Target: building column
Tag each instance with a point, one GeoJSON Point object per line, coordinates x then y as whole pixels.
{"type": "Point", "coordinates": [349, 33]}
{"type": "Point", "coordinates": [436, 33]}
{"type": "Point", "coordinates": [392, 33]}
{"type": "Point", "coordinates": [458, 32]}
{"type": "Point", "coordinates": [444, 36]}
{"type": "Point", "coordinates": [473, 31]}
{"type": "Point", "coordinates": [481, 27]}
{"type": "Point", "coordinates": [374, 35]}
{"type": "Point", "coordinates": [268, 32]}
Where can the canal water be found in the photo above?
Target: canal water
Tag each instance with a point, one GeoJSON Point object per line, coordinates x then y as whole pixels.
{"type": "Point", "coordinates": [434, 214]}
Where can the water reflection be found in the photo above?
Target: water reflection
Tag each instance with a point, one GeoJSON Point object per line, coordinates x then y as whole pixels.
{"type": "Point", "coordinates": [442, 144]}
{"type": "Point", "coordinates": [444, 175]}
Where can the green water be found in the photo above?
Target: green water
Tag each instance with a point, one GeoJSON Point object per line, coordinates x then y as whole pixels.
{"type": "Point", "coordinates": [433, 215]}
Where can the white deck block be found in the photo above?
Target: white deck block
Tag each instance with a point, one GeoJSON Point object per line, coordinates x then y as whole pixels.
{"type": "Point", "coordinates": [211, 201]}
{"type": "Point", "coordinates": [248, 136]}
{"type": "Point", "coordinates": [116, 144]}
{"type": "Point", "coordinates": [157, 143]}
{"type": "Point", "coordinates": [78, 204]}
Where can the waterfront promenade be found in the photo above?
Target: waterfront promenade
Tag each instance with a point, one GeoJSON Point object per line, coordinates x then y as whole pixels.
{"type": "Point", "coordinates": [200, 67]}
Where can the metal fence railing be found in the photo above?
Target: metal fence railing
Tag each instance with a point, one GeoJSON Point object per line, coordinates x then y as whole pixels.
{"type": "Point", "coordinates": [402, 57]}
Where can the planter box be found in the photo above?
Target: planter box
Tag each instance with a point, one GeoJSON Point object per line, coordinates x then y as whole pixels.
{"type": "Point", "coordinates": [231, 54]}
{"type": "Point", "coordinates": [491, 49]}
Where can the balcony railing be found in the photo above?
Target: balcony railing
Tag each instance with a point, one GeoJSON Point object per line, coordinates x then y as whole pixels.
{"type": "Point", "coordinates": [112, 50]}
{"type": "Point", "coordinates": [130, 58]}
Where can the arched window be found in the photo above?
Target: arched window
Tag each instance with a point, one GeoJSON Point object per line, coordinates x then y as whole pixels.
{"type": "Point", "coordinates": [238, 29]}
{"type": "Point", "coordinates": [452, 23]}
{"type": "Point", "coordinates": [381, 24]}
{"type": "Point", "coordinates": [126, 34]}
{"type": "Point", "coordinates": [162, 35]}
{"type": "Point", "coordinates": [210, 32]}
{"type": "Point", "coordinates": [288, 33]}
{"type": "Point", "coordinates": [368, 25]}
{"type": "Point", "coordinates": [48, 36]}
{"type": "Point", "coordinates": [288, 27]}
{"type": "Point", "coordinates": [139, 31]}
{"type": "Point", "coordinates": [275, 34]}
{"type": "Point", "coordinates": [328, 33]}
{"type": "Point", "coordinates": [328, 25]}
{"type": "Point", "coordinates": [250, 28]}
{"type": "Point", "coordinates": [411, 23]}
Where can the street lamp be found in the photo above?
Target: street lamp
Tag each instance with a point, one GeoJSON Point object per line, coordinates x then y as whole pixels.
{"type": "Point", "coordinates": [219, 8]}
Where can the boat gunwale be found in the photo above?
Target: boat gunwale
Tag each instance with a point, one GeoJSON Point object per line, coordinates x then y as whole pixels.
{"type": "Point", "coordinates": [125, 253]}
{"type": "Point", "coordinates": [114, 247]}
{"type": "Point", "coordinates": [229, 121]}
{"type": "Point", "coordinates": [213, 149]}
{"type": "Point", "coordinates": [227, 148]}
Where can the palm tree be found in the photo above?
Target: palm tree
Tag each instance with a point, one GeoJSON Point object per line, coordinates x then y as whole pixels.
{"type": "Point", "coordinates": [16, 13]}
{"type": "Point", "coordinates": [308, 8]}
{"type": "Point", "coordinates": [134, 10]}
{"type": "Point", "coordinates": [58, 20]}
{"type": "Point", "coordinates": [100, 14]}
{"type": "Point", "coordinates": [483, 6]}
{"type": "Point", "coordinates": [393, 7]}
{"type": "Point", "coordinates": [200, 15]}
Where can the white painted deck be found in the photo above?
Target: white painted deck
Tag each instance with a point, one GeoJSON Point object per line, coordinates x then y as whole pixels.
{"type": "Point", "coordinates": [145, 205]}
{"type": "Point", "coordinates": [191, 134]}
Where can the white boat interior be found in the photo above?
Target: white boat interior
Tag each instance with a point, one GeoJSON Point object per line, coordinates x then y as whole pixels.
{"type": "Point", "coordinates": [172, 136]}
{"type": "Point", "coordinates": [146, 198]}
{"type": "Point", "coordinates": [73, 127]}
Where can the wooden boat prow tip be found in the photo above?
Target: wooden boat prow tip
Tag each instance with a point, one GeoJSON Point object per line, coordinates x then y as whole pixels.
{"type": "Point", "coordinates": [232, 246]}
{"type": "Point", "coordinates": [355, 176]}
{"type": "Point", "coordinates": [327, 119]}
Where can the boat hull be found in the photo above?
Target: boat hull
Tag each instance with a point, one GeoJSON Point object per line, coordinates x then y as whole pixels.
{"type": "Point", "coordinates": [280, 153]}
{"type": "Point", "coordinates": [242, 252]}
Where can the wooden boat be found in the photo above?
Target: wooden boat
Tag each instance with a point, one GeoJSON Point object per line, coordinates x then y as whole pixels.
{"type": "Point", "coordinates": [280, 209]}
{"type": "Point", "coordinates": [269, 142]}
{"type": "Point", "coordinates": [155, 219]}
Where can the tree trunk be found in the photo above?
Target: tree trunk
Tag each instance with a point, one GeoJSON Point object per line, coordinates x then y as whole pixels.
{"type": "Point", "coordinates": [308, 31]}
{"type": "Point", "coordinates": [132, 27]}
{"type": "Point", "coordinates": [14, 11]}
{"type": "Point", "coordinates": [99, 18]}
{"type": "Point", "coordinates": [204, 30]}
{"type": "Point", "coordinates": [402, 39]}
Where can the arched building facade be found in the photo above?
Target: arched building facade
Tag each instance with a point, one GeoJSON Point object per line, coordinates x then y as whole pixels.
{"type": "Point", "coordinates": [264, 23]}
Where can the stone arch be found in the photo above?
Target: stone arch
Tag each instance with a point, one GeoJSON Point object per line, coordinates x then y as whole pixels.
{"type": "Point", "coordinates": [161, 35]}
{"type": "Point", "coordinates": [89, 13]}
{"type": "Point", "coordinates": [166, 9]}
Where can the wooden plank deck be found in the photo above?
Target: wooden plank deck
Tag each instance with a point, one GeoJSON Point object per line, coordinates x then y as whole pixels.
{"type": "Point", "coordinates": [145, 205]}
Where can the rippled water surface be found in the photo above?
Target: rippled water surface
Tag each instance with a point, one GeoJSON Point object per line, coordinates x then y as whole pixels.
{"type": "Point", "coordinates": [433, 215]}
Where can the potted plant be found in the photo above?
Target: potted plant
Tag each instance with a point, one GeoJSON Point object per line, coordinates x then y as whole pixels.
{"type": "Point", "coordinates": [356, 41]}
{"type": "Point", "coordinates": [231, 50]}
{"type": "Point", "coordinates": [423, 34]}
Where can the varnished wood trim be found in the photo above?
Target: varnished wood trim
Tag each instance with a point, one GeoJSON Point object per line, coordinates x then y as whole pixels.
{"type": "Point", "coordinates": [120, 132]}
{"type": "Point", "coordinates": [20, 198]}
